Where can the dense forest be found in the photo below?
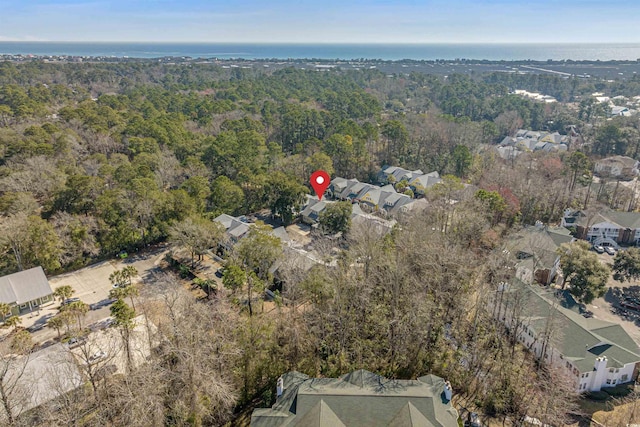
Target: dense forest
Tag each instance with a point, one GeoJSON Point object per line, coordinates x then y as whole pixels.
{"type": "Point", "coordinates": [97, 159]}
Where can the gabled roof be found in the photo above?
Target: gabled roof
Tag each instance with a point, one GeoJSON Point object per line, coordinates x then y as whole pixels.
{"type": "Point", "coordinates": [314, 208]}
{"type": "Point", "coordinates": [617, 160]}
{"type": "Point", "coordinates": [360, 398]}
{"type": "Point", "coordinates": [409, 415]}
{"type": "Point", "coordinates": [24, 286]}
{"type": "Point", "coordinates": [426, 181]}
{"type": "Point", "coordinates": [536, 245]}
{"type": "Point", "coordinates": [621, 219]}
{"type": "Point", "coordinates": [577, 338]}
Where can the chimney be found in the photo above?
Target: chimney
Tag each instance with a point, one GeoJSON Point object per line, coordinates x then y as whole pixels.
{"type": "Point", "coordinates": [448, 392]}
{"type": "Point", "coordinates": [280, 387]}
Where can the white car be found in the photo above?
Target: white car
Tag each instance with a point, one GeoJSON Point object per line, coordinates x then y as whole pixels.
{"type": "Point", "coordinates": [598, 249]}
{"type": "Point", "coordinates": [610, 250]}
{"type": "Point", "coordinates": [97, 356]}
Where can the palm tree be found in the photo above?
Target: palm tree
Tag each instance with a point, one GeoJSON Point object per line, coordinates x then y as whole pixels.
{"type": "Point", "coordinates": [63, 292]}
{"type": "Point", "coordinates": [56, 323]}
{"type": "Point", "coordinates": [122, 293]}
{"type": "Point", "coordinates": [78, 309]}
{"type": "Point", "coordinates": [13, 321]}
{"type": "Point", "coordinates": [5, 310]}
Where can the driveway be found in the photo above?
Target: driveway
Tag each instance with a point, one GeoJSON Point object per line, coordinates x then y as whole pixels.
{"type": "Point", "coordinates": [91, 284]}
{"type": "Point", "coordinates": [604, 308]}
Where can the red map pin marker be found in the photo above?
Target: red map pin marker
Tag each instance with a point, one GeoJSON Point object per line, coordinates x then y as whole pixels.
{"type": "Point", "coordinates": [320, 181]}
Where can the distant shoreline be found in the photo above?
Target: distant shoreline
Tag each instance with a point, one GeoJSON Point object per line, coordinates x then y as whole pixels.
{"type": "Point", "coordinates": [329, 52]}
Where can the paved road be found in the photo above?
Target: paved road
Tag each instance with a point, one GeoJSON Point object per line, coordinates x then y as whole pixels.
{"type": "Point", "coordinates": [601, 307]}
{"type": "Point", "coordinates": [91, 284]}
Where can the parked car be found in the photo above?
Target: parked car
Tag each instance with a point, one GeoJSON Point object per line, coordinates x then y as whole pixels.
{"type": "Point", "coordinates": [610, 250]}
{"type": "Point", "coordinates": [36, 327]}
{"type": "Point", "coordinates": [97, 356]}
{"type": "Point", "coordinates": [76, 341]}
{"type": "Point", "coordinates": [598, 249]}
{"type": "Point", "coordinates": [103, 303]}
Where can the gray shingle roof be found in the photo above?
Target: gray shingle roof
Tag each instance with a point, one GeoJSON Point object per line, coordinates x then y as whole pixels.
{"type": "Point", "coordinates": [579, 339]}
{"type": "Point", "coordinates": [24, 286]}
{"type": "Point", "coordinates": [360, 398]}
{"type": "Point", "coordinates": [233, 226]}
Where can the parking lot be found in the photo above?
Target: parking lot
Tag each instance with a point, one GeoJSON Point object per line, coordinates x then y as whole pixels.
{"type": "Point", "coordinates": [91, 284]}
{"type": "Point", "coordinates": [607, 307]}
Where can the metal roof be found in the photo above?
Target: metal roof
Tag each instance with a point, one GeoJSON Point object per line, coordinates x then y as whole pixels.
{"type": "Point", "coordinates": [24, 286]}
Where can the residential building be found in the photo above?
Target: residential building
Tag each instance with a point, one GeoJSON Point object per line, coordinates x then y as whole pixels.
{"type": "Point", "coordinates": [418, 180]}
{"type": "Point", "coordinates": [620, 111]}
{"type": "Point", "coordinates": [535, 248]}
{"type": "Point", "coordinates": [234, 230]}
{"type": "Point", "coordinates": [608, 228]}
{"type": "Point", "coordinates": [360, 398]}
{"type": "Point", "coordinates": [528, 140]}
{"type": "Point", "coordinates": [592, 353]}
{"type": "Point", "coordinates": [237, 228]}
{"type": "Point", "coordinates": [617, 167]}
{"type": "Point", "coordinates": [39, 378]}
{"type": "Point", "coordinates": [25, 290]}
{"type": "Point", "coordinates": [393, 174]}
{"type": "Point", "coordinates": [311, 212]}
{"type": "Point", "coordinates": [373, 198]}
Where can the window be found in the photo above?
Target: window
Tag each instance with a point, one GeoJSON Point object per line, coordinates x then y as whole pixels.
{"type": "Point", "coordinates": [582, 376]}
{"type": "Point", "coordinates": [624, 378]}
{"type": "Point", "coordinates": [617, 370]}
{"type": "Point", "coordinates": [614, 381]}
{"type": "Point", "coordinates": [586, 375]}
{"type": "Point", "coordinates": [608, 381]}
{"type": "Point", "coordinates": [568, 365]}
{"type": "Point", "coordinates": [611, 370]}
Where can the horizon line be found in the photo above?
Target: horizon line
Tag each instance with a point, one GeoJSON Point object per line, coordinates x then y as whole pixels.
{"type": "Point", "coordinates": [375, 43]}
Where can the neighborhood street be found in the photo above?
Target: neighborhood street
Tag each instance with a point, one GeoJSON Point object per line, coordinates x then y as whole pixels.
{"type": "Point", "coordinates": [91, 284]}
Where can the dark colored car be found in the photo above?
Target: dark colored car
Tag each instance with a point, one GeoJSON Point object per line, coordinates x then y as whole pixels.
{"type": "Point", "coordinates": [36, 327]}
{"type": "Point", "coordinates": [103, 303]}
{"type": "Point", "coordinates": [69, 301]}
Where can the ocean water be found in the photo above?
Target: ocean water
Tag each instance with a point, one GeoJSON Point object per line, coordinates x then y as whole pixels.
{"type": "Point", "coordinates": [493, 52]}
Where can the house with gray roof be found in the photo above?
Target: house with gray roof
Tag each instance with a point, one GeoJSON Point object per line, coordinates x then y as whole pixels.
{"type": "Point", "coordinates": [607, 227]}
{"type": "Point", "coordinates": [234, 230]}
{"type": "Point", "coordinates": [38, 378]}
{"type": "Point", "coordinates": [359, 399]}
{"type": "Point", "coordinates": [535, 248]}
{"type": "Point", "coordinates": [420, 183]}
{"type": "Point", "coordinates": [25, 290]}
{"type": "Point", "coordinates": [617, 167]}
{"type": "Point", "coordinates": [418, 180]}
{"type": "Point", "coordinates": [594, 353]}
{"type": "Point", "coordinates": [397, 173]}
{"type": "Point", "coordinates": [311, 212]}
{"type": "Point", "coordinates": [528, 140]}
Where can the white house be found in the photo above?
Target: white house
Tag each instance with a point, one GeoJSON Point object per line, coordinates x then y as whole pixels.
{"type": "Point", "coordinates": [595, 354]}
{"type": "Point", "coordinates": [607, 227]}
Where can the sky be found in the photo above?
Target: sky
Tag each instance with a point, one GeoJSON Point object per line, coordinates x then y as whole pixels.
{"type": "Point", "coordinates": [322, 21]}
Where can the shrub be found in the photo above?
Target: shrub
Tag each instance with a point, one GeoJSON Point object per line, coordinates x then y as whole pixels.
{"type": "Point", "coordinates": [598, 396]}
